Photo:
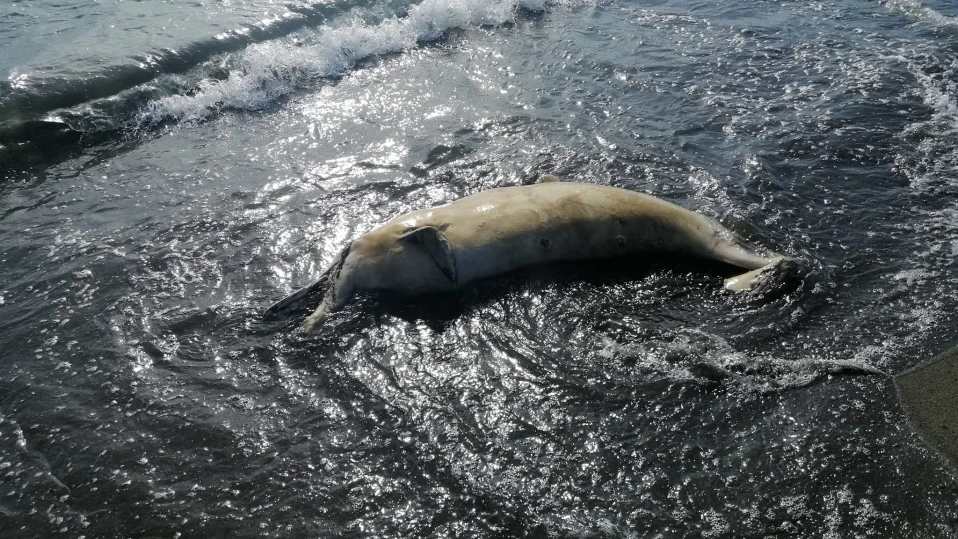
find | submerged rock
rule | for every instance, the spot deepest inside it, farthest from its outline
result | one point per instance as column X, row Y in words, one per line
column 929, row 393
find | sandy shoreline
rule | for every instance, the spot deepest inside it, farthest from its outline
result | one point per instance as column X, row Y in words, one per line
column 929, row 393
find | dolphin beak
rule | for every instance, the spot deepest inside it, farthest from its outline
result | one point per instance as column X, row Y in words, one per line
column 318, row 315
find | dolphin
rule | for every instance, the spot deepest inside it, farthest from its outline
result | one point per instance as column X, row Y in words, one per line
column 499, row 230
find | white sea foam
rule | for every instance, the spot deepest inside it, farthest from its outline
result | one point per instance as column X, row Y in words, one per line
column 271, row 70
column 917, row 10
column 938, row 93
column 697, row 355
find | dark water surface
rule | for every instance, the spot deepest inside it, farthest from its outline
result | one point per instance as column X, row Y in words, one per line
column 168, row 169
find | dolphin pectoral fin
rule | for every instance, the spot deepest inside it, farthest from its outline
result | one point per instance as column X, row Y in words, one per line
column 435, row 243
column 441, row 253
column 548, row 178
column 759, row 280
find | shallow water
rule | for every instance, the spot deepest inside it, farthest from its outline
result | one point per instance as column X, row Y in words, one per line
column 171, row 168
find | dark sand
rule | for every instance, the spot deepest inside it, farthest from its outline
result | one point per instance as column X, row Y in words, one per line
column 929, row 393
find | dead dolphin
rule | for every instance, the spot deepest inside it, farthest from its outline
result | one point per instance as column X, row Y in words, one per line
column 499, row 230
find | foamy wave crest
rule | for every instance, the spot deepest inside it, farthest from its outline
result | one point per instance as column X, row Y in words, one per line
column 917, row 10
column 272, row 70
column 934, row 160
column 698, row 356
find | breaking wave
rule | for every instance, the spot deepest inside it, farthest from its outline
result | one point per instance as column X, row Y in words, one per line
column 272, row 70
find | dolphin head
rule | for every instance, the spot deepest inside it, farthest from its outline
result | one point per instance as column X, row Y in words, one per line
column 404, row 259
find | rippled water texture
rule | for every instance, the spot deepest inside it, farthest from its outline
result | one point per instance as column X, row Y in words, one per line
column 169, row 169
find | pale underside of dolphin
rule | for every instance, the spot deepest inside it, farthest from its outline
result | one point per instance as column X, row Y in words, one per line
column 492, row 232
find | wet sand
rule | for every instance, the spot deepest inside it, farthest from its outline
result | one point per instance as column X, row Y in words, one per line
column 929, row 393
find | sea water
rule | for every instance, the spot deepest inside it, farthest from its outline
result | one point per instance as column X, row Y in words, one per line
column 168, row 169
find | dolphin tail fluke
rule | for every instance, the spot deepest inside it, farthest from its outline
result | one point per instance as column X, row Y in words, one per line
column 777, row 271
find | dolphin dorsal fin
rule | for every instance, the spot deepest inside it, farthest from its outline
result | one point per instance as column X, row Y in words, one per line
column 548, row 178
